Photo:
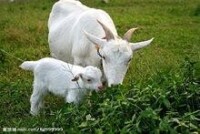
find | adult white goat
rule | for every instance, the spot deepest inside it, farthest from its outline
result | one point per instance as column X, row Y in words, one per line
column 82, row 35
column 69, row 81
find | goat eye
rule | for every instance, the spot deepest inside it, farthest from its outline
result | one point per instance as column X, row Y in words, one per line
column 89, row 80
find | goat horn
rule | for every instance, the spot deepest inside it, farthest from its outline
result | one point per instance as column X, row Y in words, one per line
column 109, row 34
column 128, row 34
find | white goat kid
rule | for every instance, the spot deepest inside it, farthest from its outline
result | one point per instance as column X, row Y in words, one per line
column 105, row 1
column 77, row 37
column 69, row 81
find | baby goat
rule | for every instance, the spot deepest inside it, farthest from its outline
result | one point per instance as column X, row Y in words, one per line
column 69, row 81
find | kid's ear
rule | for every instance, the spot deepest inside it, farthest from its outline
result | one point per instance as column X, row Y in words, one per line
column 76, row 78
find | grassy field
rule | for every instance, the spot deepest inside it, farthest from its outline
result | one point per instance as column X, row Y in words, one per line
column 161, row 91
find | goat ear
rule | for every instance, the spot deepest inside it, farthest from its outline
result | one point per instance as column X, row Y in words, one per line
column 139, row 45
column 77, row 77
column 98, row 42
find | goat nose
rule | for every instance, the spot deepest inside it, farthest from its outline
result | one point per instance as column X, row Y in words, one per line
column 100, row 87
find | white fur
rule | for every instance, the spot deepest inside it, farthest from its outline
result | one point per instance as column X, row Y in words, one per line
column 55, row 76
column 106, row 1
column 74, row 33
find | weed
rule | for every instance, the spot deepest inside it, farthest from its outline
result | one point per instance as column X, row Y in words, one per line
column 197, row 11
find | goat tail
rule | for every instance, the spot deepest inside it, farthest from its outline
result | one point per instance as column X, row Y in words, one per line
column 28, row 65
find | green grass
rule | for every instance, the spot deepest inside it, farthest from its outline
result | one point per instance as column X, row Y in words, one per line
column 161, row 91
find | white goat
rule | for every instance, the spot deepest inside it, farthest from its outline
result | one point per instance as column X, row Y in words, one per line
column 83, row 36
column 62, row 79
